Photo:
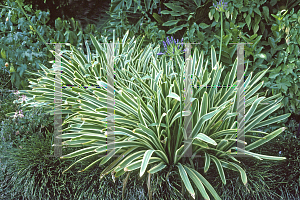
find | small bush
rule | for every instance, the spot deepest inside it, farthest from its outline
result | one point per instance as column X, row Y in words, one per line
column 23, row 125
column 6, row 104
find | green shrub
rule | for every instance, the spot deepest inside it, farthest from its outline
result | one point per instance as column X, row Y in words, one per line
column 20, row 46
column 22, row 42
column 25, row 124
column 284, row 43
column 7, row 104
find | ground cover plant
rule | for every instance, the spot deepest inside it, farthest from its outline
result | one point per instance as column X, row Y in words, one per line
column 148, row 126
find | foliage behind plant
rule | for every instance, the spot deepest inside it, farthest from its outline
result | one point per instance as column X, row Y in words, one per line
column 286, row 173
column 28, row 174
column 285, row 76
column 22, row 46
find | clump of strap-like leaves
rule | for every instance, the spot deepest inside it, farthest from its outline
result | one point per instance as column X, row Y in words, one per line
column 149, row 112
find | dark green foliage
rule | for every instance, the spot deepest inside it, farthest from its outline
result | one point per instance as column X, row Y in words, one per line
column 88, row 12
column 24, row 50
column 286, row 173
column 260, row 178
column 19, row 44
column 55, row 7
column 267, row 179
column 19, row 129
column 4, row 76
column 136, row 188
column 6, row 103
column 284, row 78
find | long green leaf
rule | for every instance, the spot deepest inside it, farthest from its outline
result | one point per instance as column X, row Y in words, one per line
column 89, row 136
column 119, row 145
column 272, row 120
column 176, row 8
column 206, row 184
column 153, row 136
column 207, row 162
column 228, row 166
column 137, row 164
column 145, row 161
column 80, row 161
column 174, row 95
column 184, row 113
column 242, row 172
column 171, row 22
column 201, row 122
column 205, row 138
column 222, row 144
column 197, row 182
column 141, row 118
column 157, row 168
column 220, row 168
column 204, row 105
column 116, row 161
column 261, row 117
column 257, row 77
column 130, row 158
column 186, row 180
column 108, row 156
column 79, row 152
column 260, row 142
column 259, row 156
column 177, row 28
column 253, row 91
column 252, row 109
column 163, row 156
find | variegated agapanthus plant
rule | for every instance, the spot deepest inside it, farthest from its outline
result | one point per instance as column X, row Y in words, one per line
column 149, row 133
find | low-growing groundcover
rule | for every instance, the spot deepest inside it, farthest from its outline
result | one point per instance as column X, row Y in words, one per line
column 149, row 111
column 27, row 174
column 86, row 185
